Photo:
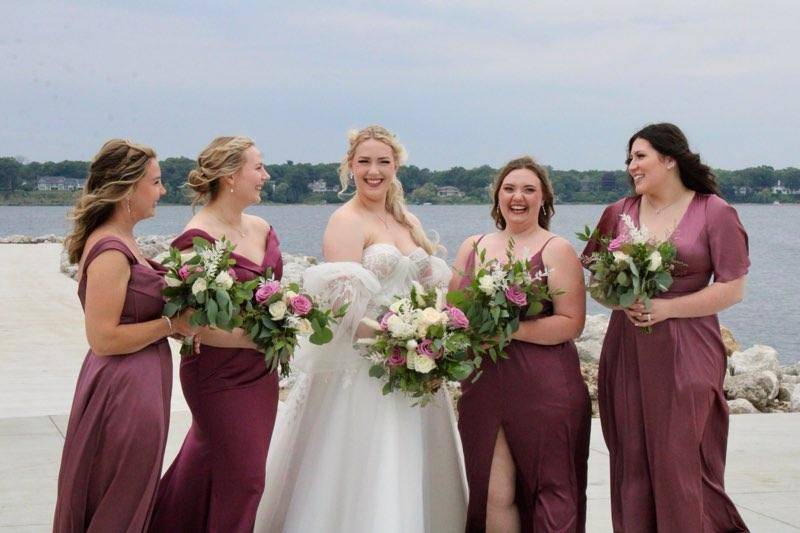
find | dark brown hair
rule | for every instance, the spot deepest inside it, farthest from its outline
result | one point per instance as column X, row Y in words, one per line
column 668, row 140
column 546, row 212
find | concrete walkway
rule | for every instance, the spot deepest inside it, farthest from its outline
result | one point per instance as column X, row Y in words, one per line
column 42, row 345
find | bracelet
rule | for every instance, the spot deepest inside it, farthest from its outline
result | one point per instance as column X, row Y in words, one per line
column 169, row 323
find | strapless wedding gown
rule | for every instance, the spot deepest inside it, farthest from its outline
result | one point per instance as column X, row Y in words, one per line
column 344, row 457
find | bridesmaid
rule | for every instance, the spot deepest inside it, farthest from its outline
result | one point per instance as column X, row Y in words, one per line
column 525, row 423
column 663, row 412
column 120, row 414
column 217, row 478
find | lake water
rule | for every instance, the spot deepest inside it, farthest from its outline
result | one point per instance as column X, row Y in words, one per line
column 766, row 316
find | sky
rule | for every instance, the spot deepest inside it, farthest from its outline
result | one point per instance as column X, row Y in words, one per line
column 461, row 82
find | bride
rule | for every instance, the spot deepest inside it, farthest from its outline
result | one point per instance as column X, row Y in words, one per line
column 344, row 457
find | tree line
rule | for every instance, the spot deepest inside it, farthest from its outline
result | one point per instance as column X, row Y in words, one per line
column 290, row 182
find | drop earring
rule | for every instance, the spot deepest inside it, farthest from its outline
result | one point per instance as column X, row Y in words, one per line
column 128, row 205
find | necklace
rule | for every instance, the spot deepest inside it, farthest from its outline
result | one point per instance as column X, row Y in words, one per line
column 659, row 211
column 238, row 230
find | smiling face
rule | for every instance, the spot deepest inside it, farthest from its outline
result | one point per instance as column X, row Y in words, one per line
column 248, row 181
column 520, row 198
column 147, row 192
column 374, row 167
column 647, row 167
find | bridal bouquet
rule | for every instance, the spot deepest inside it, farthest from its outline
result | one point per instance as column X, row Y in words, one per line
column 420, row 342
column 631, row 267
column 499, row 295
column 204, row 280
column 279, row 315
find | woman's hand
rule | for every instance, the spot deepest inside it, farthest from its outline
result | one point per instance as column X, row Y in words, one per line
column 659, row 311
column 181, row 325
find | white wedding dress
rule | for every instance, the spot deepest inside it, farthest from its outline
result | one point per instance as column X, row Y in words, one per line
column 344, row 457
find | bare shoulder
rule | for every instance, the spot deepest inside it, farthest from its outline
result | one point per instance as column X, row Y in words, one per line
column 199, row 220
column 256, row 223
column 559, row 249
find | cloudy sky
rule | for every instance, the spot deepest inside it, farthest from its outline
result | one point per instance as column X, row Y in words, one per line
column 461, row 82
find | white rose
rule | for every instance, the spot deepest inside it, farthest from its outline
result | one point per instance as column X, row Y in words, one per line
column 411, row 355
column 422, row 329
column 304, row 327
column 655, row 261
column 277, row 310
column 224, row 280
column 486, row 284
column 411, row 344
column 431, row 316
column 399, row 306
column 199, row 286
column 172, row 282
column 622, row 257
column 423, row 364
column 398, row 328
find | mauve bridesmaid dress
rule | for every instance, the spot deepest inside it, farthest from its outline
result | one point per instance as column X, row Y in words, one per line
column 662, row 408
column 119, row 418
column 538, row 396
column 216, row 481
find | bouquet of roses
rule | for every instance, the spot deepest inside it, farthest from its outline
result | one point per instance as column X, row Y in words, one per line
column 420, row 343
column 279, row 315
column 631, row 267
column 204, row 280
column 499, row 295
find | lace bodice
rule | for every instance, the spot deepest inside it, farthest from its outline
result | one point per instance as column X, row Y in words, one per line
column 365, row 287
column 396, row 271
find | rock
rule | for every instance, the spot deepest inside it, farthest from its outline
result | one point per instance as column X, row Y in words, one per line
column 759, row 388
column 794, row 402
column 589, row 371
column 755, row 358
column 786, row 385
column 590, row 343
column 791, row 370
column 28, row 239
column 294, row 266
column 731, row 345
column 740, row 406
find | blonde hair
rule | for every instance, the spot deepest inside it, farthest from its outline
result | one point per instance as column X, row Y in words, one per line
column 223, row 157
column 113, row 172
column 395, row 200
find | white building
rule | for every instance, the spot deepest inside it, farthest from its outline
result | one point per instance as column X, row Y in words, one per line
column 448, row 191
column 59, row 183
column 319, row 186
column 781, row 189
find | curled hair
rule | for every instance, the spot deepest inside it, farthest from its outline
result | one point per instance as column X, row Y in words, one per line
column 668, row 140
column 113, row 173
column 223, row 157
column 547, row 210
column 395, row 199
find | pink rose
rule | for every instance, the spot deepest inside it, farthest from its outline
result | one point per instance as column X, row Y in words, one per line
column 425, row 348
column 232, row 274
column 397, row 358
column 266, row 290
column 385, row 320
column 617, row 243
column 516, row 296
column 301, row 304
column 184, row 272
column 458, row 320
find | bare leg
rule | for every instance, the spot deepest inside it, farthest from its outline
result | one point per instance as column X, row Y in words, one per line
column 502, row 515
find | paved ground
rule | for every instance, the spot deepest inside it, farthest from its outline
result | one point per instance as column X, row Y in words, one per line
column 42, row 346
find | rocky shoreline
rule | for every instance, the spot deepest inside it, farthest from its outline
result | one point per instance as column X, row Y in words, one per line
column 756, row 382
